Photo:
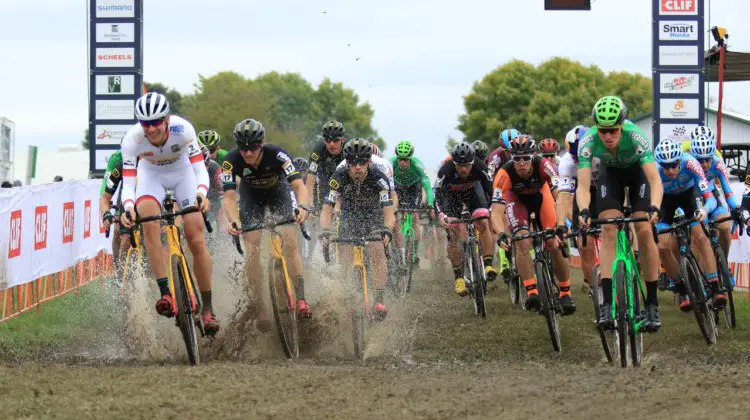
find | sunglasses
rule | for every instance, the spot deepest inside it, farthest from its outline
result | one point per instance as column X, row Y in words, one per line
column 670, row 165
column 357, row 162
column 332, row 140
column 152, row 123
column 463, row 165
column 251, row 147
column 607, row 130
column 522, row 158
column 705, row 160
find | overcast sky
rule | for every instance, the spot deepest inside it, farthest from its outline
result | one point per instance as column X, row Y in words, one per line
column 417, row 58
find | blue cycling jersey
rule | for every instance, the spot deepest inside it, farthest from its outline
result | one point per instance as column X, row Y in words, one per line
column 690, row 176
column 718, row 170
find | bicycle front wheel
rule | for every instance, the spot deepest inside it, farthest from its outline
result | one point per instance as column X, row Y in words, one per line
column 283, row 303
column 607, row 337
column 704, row 315
column 725, row 280
column 184, row 315
column 623, row 325
column 544, row 288
column 479, row 283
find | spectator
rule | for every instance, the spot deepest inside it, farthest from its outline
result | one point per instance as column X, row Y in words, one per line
column 7, row 184
column 58, row 178
column 17, row 183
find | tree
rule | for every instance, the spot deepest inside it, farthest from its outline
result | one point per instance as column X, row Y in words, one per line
column 450, row 144
column 85, row 142
column 545, row 101
column 174, row 97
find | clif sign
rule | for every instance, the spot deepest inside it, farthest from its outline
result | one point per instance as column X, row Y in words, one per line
column 679, row 7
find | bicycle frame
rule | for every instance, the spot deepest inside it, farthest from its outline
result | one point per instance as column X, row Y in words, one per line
column 624, row 253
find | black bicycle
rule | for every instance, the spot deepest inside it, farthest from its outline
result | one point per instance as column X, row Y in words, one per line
column 471, row 254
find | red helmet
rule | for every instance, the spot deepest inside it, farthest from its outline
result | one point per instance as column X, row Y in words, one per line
column 549, row 146
column 522, row 145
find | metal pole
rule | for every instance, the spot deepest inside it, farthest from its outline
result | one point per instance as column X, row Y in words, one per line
column 721, row 96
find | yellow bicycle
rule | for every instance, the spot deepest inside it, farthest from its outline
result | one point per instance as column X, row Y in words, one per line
column 283, row 296
column 359, row 303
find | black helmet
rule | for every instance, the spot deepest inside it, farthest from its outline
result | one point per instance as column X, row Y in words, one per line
column 247, row 132
column 333, row 130
column 463, row 153
column 480, row 149
column 357, row 149
column 301, row 164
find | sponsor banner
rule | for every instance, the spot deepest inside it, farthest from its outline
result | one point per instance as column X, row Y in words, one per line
column 114, row 109
column 110, row 134
column 678, row 30
column 678, row 55
column 678, row 7
column 683, row 109
column 115, row 57
column 688, row 83
column 115, row 32
column 45, row 229
column 102, row 157
column 119, row 84
column 676, row 132
column 115, row 8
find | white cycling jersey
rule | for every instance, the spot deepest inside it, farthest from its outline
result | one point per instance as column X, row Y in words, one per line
column 567, row 171
column 383, row 165
column 178, row 165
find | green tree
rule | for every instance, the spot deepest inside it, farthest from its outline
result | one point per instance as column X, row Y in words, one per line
column 450, row 144
column 334, row 101
column 547, row 100
column 174, row 97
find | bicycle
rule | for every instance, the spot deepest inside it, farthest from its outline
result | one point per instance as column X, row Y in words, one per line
column 359, row 306
column 133, row 254
column 549, row 292
column 471, row 255
column 725, row 279
column 182, row 284
column 283, row 296
column 627, row 290
column 403, row 270
column 696, row 284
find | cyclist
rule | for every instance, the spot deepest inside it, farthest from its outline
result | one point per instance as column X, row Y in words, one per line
column 170, row 157
column 413, row 187
column 683, row 180
column 323, row 161
column 302, row 165
column 703, row 147
column 626, row 160
column 482, row 151
column 465, row 180
column 363, row 193
column 211, row 140
column 549, row 148
column 566, row 204
column 526, row 185
column 215, row 190
column 501, row 155
column 111, row 186
column 267, row 178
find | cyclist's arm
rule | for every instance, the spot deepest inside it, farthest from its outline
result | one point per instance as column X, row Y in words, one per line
column 198, row 163
column 426, row 185
column 229, row 177
column 129, row 171
column 104, row 203
column 301, row 193
column 583, row 190
column 500, row 185
column 654, row 183
column 566, row 189
column 389, row 210
column 564, row 207
column 722, row 173
column 701, row 183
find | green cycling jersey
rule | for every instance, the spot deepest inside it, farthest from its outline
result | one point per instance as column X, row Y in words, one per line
column 633, row 147
column 220, row 155
column 411, row 176
column 113, row 175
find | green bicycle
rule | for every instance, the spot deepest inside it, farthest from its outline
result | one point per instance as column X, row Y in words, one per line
column 401, row 279
column 627, row 290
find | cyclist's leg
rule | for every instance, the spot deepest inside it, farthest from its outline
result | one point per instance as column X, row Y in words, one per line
column 561, row 264
column 725, row 228
column 667, row 247
column 453, row 209
column 588, row 252
column 701, row 247
column 252, row 210
column 518, row 222
column 479, row 207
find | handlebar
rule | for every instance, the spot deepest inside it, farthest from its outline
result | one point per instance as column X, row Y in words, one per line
column 374, row 236
column 270, row 226
column 618, row 221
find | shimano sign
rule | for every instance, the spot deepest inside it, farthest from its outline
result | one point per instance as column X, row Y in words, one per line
column 675, row 30
column 115, row 8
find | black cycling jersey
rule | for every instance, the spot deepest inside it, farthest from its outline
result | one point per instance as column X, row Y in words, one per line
column 323, row 164
column 275, row 165
column 114, row 179
column 371, row 194
column 449, row 182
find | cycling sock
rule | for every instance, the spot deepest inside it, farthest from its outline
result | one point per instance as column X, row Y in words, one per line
column 607, row 291
column 487, row 261
column 379, row 296
column 712, row 277
column 564, row 288
column 458, row 272
column 651, row 293
column 680, row 287
column 163, row 286
column 299, row 287
column 206, row 298
column 530, row 286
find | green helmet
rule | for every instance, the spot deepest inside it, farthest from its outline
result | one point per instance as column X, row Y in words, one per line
column 404, row 149
column 209, row 138
column 609, row 111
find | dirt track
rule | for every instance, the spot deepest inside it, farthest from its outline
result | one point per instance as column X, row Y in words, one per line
column 433, row 359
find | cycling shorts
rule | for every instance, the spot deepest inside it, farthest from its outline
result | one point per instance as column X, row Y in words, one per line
column 409, row 197
column 152, row 182
column 474, row 199
column 610, row 188
column 687, row 200
column 518, row 207
column 279, row 200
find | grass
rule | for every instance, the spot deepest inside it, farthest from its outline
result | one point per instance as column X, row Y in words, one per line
column 60, row 321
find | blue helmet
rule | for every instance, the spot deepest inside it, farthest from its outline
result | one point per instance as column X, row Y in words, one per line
column 668, row 151
column 573, row 138
column 507, row 135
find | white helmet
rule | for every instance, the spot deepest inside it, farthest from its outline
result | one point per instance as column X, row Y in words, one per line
column 701, row 130
column 151, row 106
column 667, row 151
column 703, row 146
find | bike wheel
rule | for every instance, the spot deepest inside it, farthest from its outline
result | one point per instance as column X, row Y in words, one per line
column 635, row 335
column 412, row 250
column 622, row 312
column 359, row 317
column 479, row 284
column 607, row 337
column 283, row 302
column 696, row 292
column 726, row 281
column 544, row 281
column 184, row 315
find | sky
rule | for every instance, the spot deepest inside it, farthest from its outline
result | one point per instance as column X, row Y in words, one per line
column 416, row 58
